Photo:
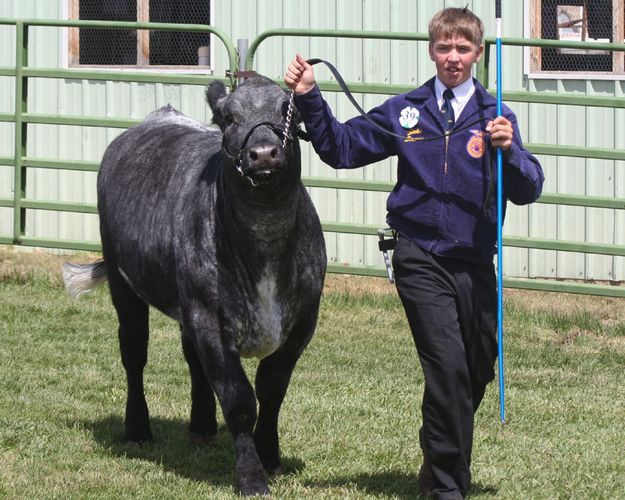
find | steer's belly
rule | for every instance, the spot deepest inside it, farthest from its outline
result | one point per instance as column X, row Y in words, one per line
column 261, row 344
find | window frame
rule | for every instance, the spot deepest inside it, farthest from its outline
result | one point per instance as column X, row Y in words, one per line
column 532, row 55
column 71, row 45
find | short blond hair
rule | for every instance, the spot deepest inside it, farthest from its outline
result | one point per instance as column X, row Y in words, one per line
column 455, row 21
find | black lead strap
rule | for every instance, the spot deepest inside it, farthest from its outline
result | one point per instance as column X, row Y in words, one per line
column 386, row 244
column 350, row 97
column 348, row 94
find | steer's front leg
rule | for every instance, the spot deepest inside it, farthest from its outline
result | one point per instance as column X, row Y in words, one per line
column 222, row 365
column 272, row 381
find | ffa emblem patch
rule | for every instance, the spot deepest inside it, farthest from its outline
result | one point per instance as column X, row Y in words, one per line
column 476, row 145
column 409, row 117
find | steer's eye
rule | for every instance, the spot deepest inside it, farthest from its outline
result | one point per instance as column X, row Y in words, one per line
column 229, row 119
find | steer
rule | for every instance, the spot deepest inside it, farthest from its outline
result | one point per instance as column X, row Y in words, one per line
column 214, row 229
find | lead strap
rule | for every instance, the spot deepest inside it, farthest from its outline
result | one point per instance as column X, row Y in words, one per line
column 287, row 124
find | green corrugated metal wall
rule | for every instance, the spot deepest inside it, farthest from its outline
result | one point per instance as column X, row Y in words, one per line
column 370, row 61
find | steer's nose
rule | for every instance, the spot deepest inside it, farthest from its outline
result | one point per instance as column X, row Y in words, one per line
column 264, row 156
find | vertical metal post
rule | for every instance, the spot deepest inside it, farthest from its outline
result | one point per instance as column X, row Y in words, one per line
column 242, row 46
column 21, row 130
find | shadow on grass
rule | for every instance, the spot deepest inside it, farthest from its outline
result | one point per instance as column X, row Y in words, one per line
column 387, row 484
column 213, row 463
column 483, row 489
column 394, row 484
column 173, row 449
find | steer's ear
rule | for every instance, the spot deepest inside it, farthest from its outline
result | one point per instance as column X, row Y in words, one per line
column 215, row 95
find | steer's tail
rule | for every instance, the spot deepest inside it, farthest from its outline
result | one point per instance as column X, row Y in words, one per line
column 81, row 279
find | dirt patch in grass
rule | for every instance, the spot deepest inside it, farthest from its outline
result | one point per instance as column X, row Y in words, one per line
column 365, row 285
column 25, row 264
column 611, row 310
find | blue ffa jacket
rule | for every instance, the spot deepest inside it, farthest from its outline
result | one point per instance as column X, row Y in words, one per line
column 441, row 201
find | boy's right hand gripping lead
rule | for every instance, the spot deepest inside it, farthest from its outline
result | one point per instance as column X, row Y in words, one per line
column 299, row 76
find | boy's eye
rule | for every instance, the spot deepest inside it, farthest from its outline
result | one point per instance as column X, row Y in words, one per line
column 447, row 48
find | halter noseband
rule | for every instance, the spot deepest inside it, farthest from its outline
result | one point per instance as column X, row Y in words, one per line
column 282, row 132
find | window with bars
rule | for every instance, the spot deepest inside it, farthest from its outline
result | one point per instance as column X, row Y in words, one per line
column 140, row 48
column 582, row 21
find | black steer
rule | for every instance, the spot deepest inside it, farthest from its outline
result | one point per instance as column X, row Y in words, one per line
column 216, row 230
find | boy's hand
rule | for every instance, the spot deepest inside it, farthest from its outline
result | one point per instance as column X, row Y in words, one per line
column 299, row 76
column 501, row 133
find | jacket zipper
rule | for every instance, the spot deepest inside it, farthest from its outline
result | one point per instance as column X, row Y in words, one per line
column 446, row 147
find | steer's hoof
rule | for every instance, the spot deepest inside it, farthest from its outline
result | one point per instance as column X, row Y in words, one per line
column 250, row 487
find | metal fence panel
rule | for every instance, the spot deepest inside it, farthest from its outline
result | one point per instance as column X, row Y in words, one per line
column 371, row 61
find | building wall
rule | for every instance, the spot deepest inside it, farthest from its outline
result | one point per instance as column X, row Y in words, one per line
column 393, row 62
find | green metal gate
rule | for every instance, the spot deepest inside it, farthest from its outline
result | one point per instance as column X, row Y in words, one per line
column 21, row 117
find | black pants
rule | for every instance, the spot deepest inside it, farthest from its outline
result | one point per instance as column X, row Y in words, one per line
column 451, row 306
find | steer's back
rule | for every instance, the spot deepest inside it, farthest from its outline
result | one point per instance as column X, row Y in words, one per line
column 154, row 159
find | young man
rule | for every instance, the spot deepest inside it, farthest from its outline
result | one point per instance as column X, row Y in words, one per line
column 443, row 212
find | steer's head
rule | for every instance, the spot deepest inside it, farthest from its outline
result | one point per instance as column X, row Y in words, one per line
column 252, row 120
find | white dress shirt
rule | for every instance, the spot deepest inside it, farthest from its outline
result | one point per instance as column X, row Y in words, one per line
column 462, row 94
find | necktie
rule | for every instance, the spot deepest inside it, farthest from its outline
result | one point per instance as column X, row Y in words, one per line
column 447, row 110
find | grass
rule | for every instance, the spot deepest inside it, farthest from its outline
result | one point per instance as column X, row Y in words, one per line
column 349, row 422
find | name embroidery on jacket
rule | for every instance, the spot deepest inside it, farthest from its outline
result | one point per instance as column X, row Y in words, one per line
column 413, row 135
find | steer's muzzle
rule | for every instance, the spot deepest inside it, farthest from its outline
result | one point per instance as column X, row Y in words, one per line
column 263, row 162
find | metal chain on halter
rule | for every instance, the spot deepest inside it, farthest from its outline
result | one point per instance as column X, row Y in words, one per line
column 287, row 125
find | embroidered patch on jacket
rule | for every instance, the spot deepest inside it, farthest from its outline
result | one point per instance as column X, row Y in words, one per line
column 409, row 117
column 476, row 145
column 414, row 135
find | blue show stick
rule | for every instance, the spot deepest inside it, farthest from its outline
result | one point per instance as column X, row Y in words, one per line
column 502, row 397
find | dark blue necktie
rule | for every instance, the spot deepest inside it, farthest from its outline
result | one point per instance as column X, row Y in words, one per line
column 447, row 110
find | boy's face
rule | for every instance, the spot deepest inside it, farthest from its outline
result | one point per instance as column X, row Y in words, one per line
column 454, row 58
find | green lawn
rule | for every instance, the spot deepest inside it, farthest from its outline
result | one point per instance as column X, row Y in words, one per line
column 349, row 422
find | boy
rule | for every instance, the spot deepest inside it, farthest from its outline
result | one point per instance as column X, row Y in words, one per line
column 443, row 212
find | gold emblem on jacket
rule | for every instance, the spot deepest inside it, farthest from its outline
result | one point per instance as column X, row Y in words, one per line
column 476, row 145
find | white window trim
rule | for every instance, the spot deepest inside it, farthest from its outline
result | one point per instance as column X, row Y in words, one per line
column 64, row 51
column 619, row 74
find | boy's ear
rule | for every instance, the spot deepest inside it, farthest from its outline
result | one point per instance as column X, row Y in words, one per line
column 480, row 51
